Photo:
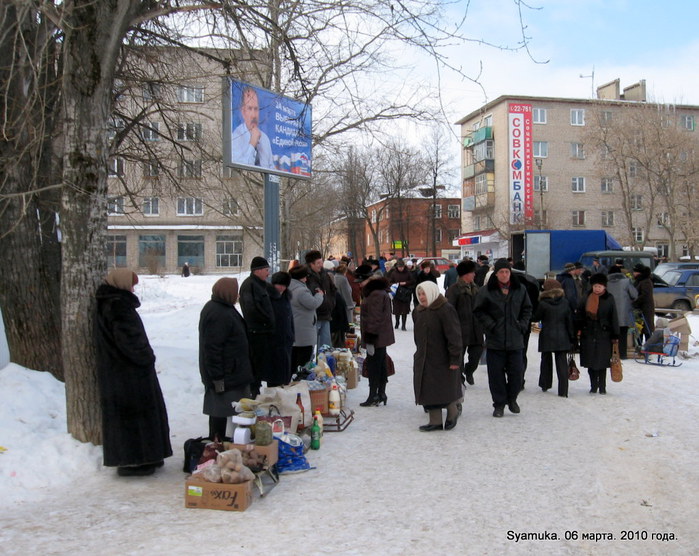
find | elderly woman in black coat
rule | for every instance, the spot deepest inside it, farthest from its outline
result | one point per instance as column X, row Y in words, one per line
column 279, row 373
column 438, row 357
column 224, row 361
column 598, row 323
column 556, row 336
column 135, row 430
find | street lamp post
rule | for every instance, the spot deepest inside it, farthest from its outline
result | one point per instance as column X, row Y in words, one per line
column 539, row 164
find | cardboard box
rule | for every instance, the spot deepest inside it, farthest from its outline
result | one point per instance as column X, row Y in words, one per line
column 319, row 400
column 271, row 451
column 351, row 377
column 681, row 325
column 217, row 496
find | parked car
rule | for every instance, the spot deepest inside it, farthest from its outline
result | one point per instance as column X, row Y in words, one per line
column 662, row 268
column 680, row 291
column 440, row 263
column 629, row 258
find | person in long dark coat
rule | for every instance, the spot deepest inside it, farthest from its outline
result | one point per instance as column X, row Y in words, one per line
column 400, row 275
column 556, row 336
column 224, row 361
column 426, row 272
column 283, row 338
column 644, row 302
column 598, row 323
column 376, row 333
column 438, row 357
column 135, row 430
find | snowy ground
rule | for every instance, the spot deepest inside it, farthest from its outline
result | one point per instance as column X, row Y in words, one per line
column 623, row 465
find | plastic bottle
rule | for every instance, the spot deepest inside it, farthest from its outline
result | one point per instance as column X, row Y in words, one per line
column 315, row 434
column 303, row 412
column 319, row 417
column 334, row 400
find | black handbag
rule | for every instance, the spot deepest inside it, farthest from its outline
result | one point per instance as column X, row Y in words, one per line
column 403, row 294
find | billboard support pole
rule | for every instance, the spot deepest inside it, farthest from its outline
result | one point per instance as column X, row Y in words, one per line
column 271, row 219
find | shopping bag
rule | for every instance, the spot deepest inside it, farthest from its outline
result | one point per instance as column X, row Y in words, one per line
column 573, row 371
column 615, row 364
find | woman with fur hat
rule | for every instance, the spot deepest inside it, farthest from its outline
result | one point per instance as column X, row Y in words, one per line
column 224, row 361
column 135, row 430
column 504, row 309
column 598, row 323
column 400, row 275
column 438, row 357
column 556, row 337
column 377, row 334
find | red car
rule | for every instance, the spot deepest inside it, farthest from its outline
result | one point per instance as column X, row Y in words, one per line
column 440, row 263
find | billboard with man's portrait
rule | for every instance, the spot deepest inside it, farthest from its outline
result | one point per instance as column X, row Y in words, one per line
column 264, row 131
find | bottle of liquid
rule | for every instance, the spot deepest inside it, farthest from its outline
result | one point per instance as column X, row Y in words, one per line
column 334, row 400
column 299, row 403
column 315, row 435
column 319, row 417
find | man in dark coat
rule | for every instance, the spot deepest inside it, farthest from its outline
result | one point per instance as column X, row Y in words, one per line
column 256, row 304
column 224, row 356
column 481, row 270
column 283, row 338
column 450, row 276
column 645, row 301
column 504, row 309
column 135, row 430
column 462, row 295
column 533, row 289
column 319, row 280
column 401, row 275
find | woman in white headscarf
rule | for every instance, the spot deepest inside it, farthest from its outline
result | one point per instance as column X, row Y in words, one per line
column 437, row 359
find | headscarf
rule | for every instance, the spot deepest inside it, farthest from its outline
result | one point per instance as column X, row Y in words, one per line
column 226, row 289
column 122, row 278
column 430, row 289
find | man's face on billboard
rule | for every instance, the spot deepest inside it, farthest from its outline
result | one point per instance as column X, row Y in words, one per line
column 250, row 109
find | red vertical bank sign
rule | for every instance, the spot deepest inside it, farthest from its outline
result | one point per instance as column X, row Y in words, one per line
column 521, row 173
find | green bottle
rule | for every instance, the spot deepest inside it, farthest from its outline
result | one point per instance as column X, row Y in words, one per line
column 315, row 434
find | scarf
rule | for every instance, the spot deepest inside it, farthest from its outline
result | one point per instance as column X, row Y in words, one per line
column 592, row 305
column 504, row 288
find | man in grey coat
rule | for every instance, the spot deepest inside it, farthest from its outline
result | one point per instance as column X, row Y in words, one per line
column 303, row 307
column 624, row 295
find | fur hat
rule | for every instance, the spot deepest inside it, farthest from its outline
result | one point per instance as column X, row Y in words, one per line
column 363, row 272
column 465, row 267
column 598, row 278
column 568, row 266
column 258, row 263
column 551, row 284
column 500, row 264
column 638, row 267
column 299, row 272
column 281, row 278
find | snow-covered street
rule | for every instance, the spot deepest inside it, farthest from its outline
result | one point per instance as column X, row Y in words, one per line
column 563, row 477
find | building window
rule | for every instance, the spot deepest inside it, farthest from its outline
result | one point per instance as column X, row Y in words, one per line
column 637, row 234
column 577, row 185
column 633, row 169
column 190, row 94
column 663, row 249
column 636, row 202
column 151, row 169
column 115, row 167
column 437, row 211
column 578, row 218
column 663, row 219
column 151, row 251
column 373, row 215
column 115, row 206
column 116, row 251
column 607, row 185
column 190, row 206
column 483, row 150
column 229, row 250
column 190, row 249
column 577, row 150
column 189, row 132
column 541, row 149
column 453, row 234
column 687, row 122
column 488, row 121
column 152, row 91
column 151, row 206
column 476, row 223
column 230, row 207
column 438, row 235
column 605, row 153
column 606, row 117
column 115, row 126
column 189, row 169
column 453, row 211
column 481, row 184
column 149, row 131
column 577, row 116
column 607, row 218
column 539, row 115
column 541, row 183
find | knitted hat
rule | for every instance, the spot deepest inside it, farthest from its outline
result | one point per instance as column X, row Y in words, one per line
column 551, row 284
column 258, row 263
column 281, row 278
column 465, row 267
column 598, row 278
column 500, row 264
column 299, row 272
column 569, row 266
column 328, row 265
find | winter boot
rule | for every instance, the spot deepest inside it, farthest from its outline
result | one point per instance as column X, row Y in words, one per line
column 602, row 381
column 435, row 423
column 404, row 318
column 397, row 321
column 373, row 398
column 594, row 381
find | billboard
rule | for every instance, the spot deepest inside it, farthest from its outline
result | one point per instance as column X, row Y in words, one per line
column 520, row 169
column 264, row 131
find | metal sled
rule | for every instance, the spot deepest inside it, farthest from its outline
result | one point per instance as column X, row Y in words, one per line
column 338, row 423
column 666, row 357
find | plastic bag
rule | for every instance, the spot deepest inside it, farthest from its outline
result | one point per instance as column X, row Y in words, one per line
column 291, row 457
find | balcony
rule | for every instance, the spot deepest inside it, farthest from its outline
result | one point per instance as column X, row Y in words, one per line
column 482, row 134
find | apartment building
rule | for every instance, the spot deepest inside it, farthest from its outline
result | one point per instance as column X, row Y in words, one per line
column 554, row 163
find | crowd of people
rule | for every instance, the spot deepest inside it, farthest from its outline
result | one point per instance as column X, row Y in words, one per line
column 288, row 317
